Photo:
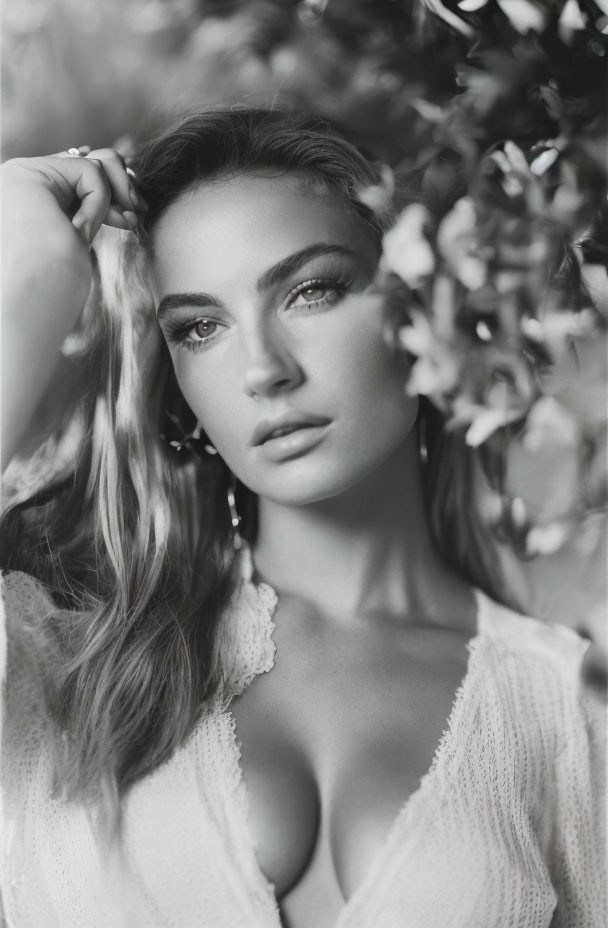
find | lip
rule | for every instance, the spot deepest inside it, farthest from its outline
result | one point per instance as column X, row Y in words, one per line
column 294, row 421
column 293, row 444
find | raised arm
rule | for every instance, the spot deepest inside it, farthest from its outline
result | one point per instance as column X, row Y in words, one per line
column 53, row 207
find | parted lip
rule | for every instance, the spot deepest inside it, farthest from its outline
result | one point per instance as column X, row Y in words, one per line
column 291, row 420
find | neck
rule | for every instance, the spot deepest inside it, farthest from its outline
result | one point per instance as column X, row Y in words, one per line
column 366, row 550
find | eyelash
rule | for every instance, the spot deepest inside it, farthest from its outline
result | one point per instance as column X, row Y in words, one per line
column 336, row 288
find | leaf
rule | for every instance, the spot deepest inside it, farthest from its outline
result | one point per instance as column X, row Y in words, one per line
column 552, row 100
column 486, row 423
column 379, row 197
column 523, row 15
column 417, row 338
column 571, row 20
column 516, row 158
column 547, row 539
column 543, row 465
column 544, row 161
column 405, row 250
column 429, row 111
column 440, row 10
column 471, row 6
column 548, row 425
column 596, row 281
column 457, row 241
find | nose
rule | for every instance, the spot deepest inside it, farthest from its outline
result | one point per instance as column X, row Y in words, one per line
column 270, row 365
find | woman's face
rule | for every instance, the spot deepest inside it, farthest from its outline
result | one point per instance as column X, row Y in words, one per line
column 260, row 286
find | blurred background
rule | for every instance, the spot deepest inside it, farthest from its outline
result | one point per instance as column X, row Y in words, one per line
column 422, row 85
column 83, row 70
column 77, row 69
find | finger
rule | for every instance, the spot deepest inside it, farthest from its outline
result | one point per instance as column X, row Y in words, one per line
column 121, row 219
column 122, row 185
column 93, row 191
column 98, row 195
column 121, row 179
column 71, row 152
column 114, row 216
column 100, row 187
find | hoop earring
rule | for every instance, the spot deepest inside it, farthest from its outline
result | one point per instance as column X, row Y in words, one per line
column 422, row 443
column 235, row 518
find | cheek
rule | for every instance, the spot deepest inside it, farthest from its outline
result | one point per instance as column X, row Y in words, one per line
column 367, row 376
column 210, row 394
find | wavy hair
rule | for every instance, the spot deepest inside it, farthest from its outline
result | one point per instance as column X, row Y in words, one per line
column 130, row 537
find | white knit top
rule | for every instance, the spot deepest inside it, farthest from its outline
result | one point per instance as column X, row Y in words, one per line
column 506, row 830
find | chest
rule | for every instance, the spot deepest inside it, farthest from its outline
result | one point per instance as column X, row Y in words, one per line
column 334, row 741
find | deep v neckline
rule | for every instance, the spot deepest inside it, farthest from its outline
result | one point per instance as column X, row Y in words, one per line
column 383, row 853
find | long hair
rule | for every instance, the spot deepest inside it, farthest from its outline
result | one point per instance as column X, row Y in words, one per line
column 129, row 536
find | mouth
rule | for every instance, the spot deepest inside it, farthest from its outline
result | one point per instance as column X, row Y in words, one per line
column 270, row 430
column 290, row 436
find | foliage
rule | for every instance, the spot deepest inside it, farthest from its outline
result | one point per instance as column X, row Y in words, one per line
column 500, row 254
column 491, row 116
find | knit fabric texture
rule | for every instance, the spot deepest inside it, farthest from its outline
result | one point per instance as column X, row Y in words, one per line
column 506, row 829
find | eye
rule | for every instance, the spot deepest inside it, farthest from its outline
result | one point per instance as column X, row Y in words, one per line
column 203, row 329
column 194, row 336
column 312, row 295
column 313, row 292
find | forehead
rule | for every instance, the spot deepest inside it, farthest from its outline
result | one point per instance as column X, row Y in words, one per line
column 250, row 219
column 241, row 190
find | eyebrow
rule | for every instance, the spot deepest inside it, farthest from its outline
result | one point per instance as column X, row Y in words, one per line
column 274, row 275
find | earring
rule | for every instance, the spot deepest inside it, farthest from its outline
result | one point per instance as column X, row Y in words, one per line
column 234, row 516
column 178, row 438
column 196, row 436
column 422, row 443
column 187, row 439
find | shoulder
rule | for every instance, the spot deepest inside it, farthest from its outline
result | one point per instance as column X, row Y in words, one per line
column 23, row 595
column 540, row 664
column 246, row 635
column 557, row 647
column 25, row 605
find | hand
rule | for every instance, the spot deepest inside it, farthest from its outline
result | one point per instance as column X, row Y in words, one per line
column 92, row 189
column 46, row 200
column 53, row 207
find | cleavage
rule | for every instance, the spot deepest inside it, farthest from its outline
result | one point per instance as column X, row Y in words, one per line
column 335, row 742
column 284, row 808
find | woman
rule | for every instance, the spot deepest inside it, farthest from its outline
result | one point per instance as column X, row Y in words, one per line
column 263, row 697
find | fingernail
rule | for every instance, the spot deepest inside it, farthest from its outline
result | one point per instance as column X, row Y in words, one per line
column 135, row 197
column 130, row 218
column 84, row 228
column 137, row 200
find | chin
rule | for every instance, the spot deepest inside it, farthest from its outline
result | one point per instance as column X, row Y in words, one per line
column 326, row 472
column 305, row 486
column 302, row 496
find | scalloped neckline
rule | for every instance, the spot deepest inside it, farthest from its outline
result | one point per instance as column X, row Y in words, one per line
column 406, row 809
